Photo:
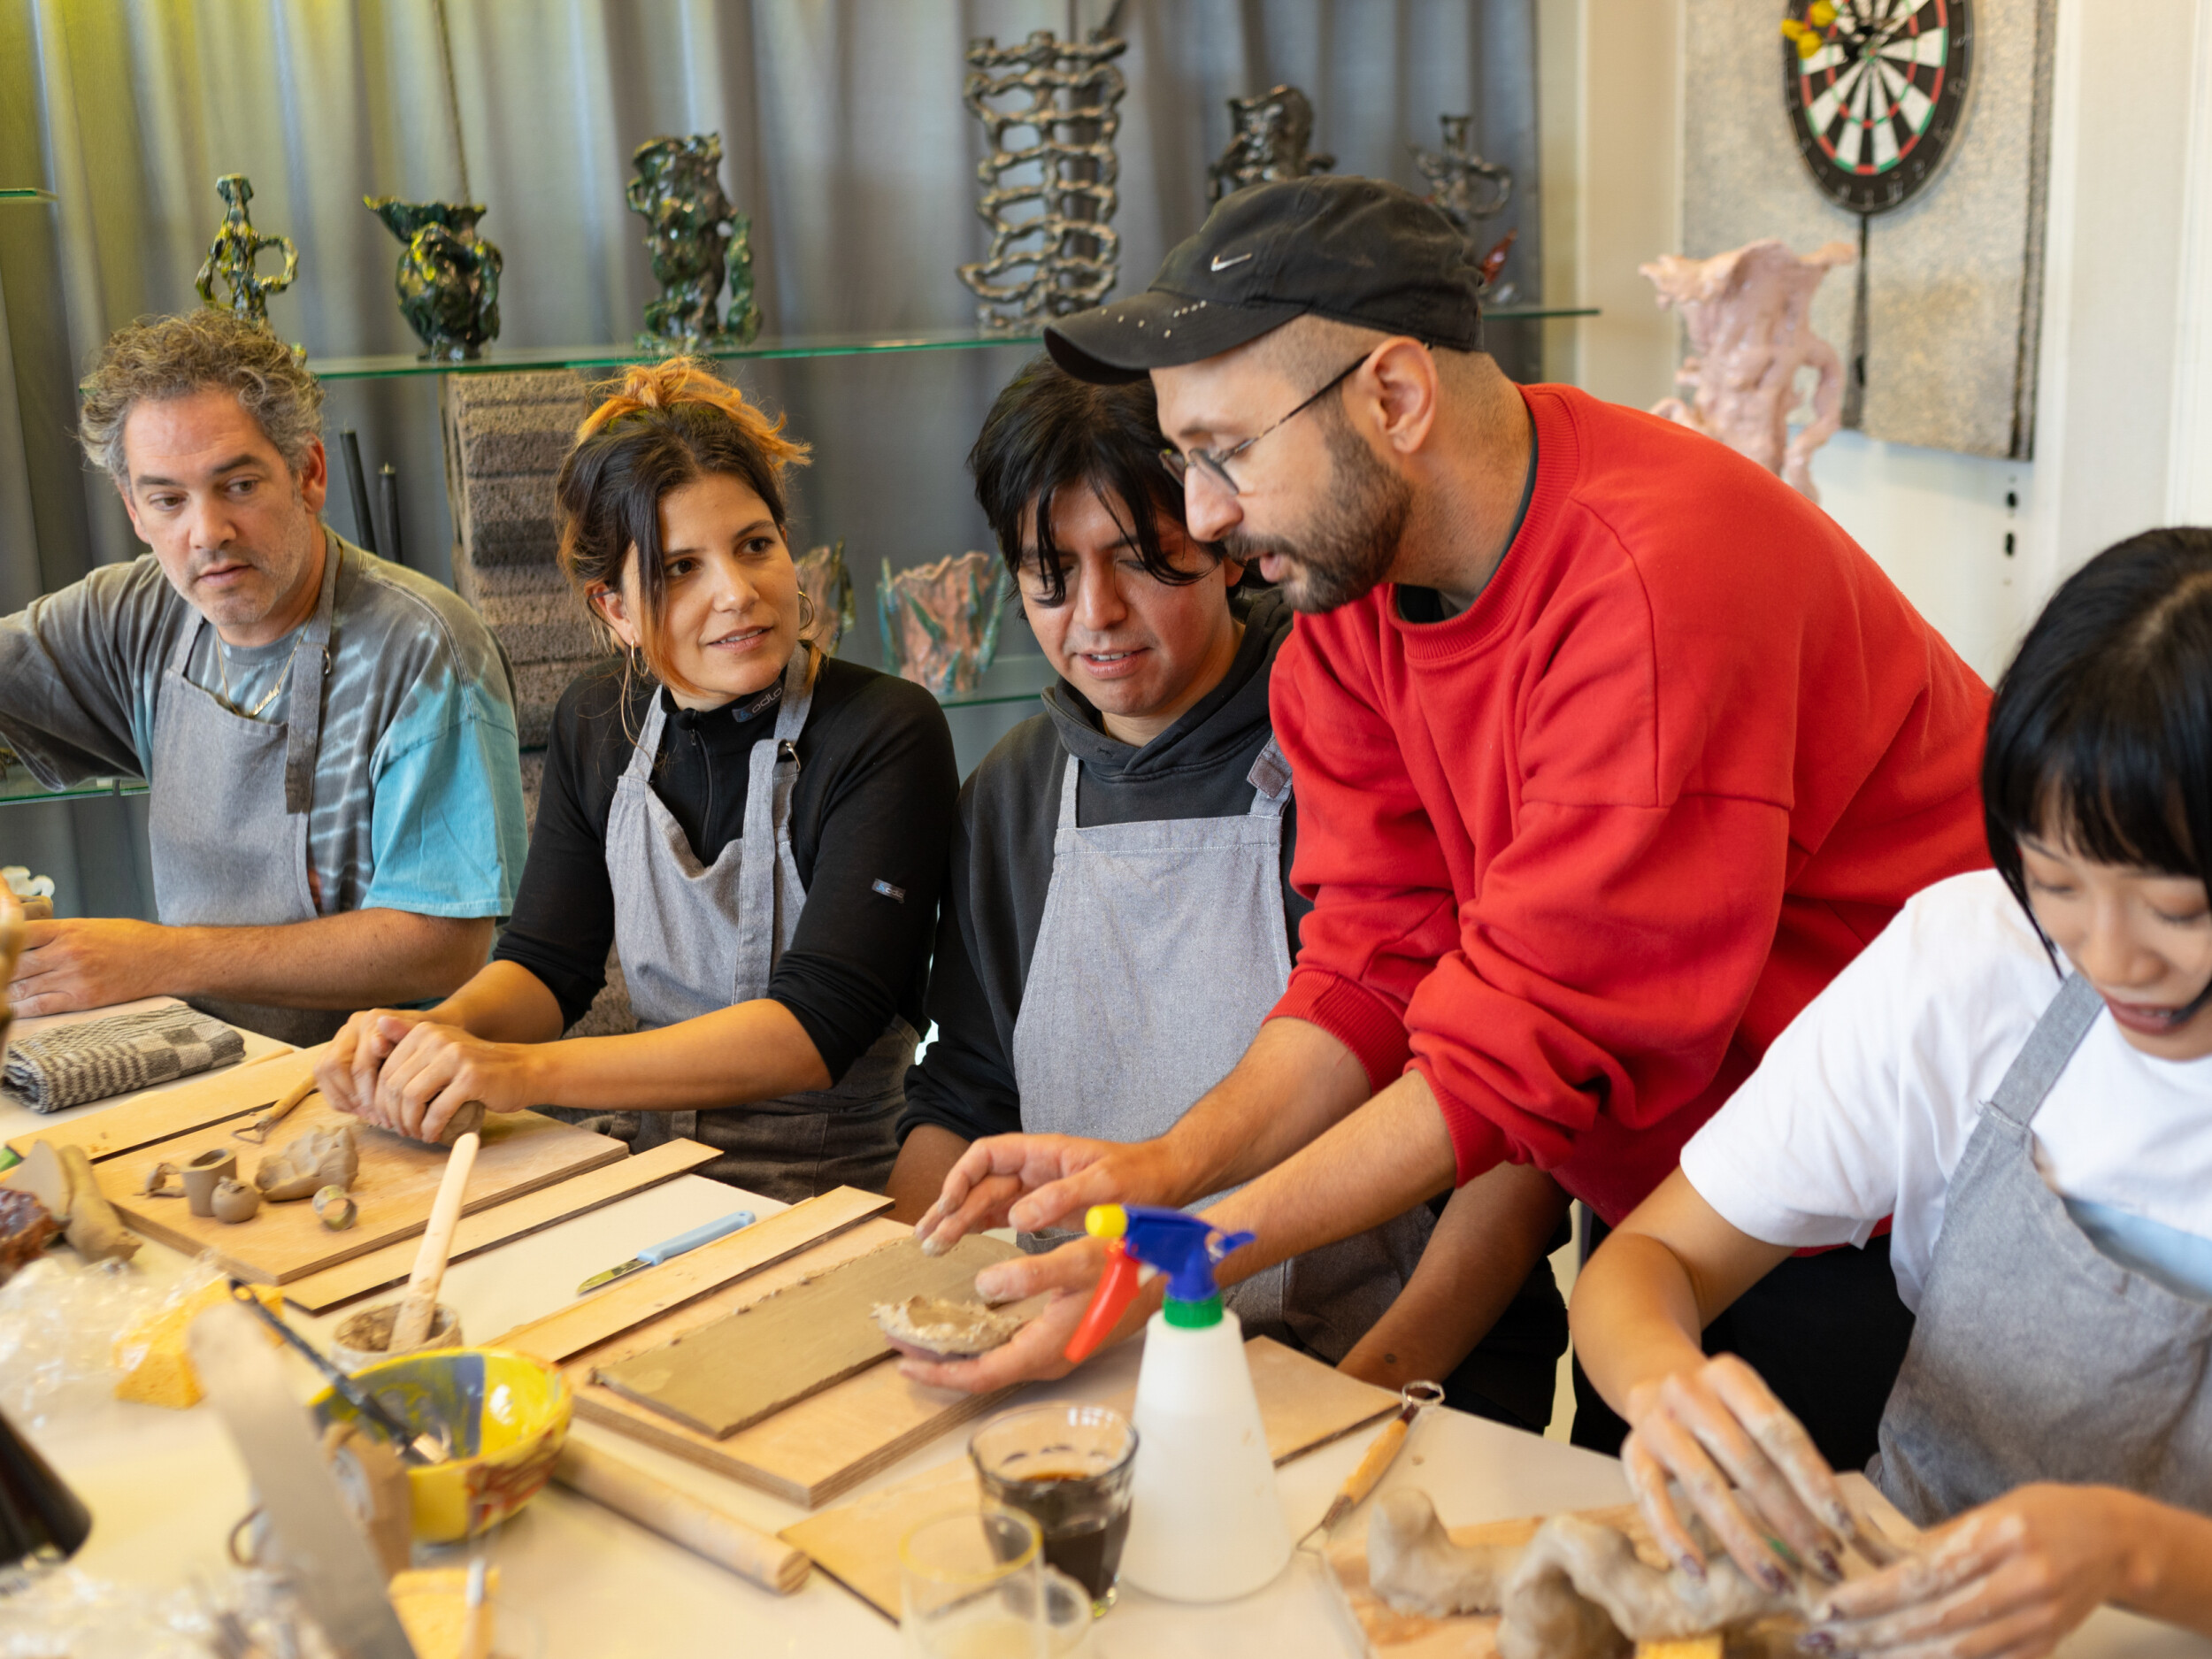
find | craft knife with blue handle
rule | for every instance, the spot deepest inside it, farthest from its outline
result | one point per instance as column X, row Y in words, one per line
column 653, row 1255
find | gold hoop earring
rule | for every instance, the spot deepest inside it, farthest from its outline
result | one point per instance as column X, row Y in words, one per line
column 806, row 614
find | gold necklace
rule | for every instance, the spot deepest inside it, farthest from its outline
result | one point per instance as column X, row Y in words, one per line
column 222, row 668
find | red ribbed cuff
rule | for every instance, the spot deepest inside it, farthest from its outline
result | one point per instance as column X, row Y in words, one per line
column 1366, row 1024
column 1478, row 1146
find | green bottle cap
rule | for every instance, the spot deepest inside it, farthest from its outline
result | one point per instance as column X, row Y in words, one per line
column 1192, row 1316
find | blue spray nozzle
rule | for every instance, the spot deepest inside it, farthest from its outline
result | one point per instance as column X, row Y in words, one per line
column 1184, row 1247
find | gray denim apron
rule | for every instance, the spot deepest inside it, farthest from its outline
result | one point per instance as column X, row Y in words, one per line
column 2035, row 1356
column 1160, row 953
column 228, row 807
column 695, row 939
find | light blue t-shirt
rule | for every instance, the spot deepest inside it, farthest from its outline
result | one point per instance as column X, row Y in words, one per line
column 418, row 794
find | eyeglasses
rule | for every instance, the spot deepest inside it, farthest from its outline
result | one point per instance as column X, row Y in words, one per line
column 1216, row 466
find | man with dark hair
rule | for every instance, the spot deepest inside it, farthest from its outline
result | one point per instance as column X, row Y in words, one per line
column 1121, row 883
column 1611, row 751
column 335, row 803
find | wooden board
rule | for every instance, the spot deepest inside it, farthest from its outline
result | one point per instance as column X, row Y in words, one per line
column 806, row 1454
column 214, row 1097
column 521, row 1153
column 1303, row 1404
column 657, row 1291
column 1390, row 1634
column 780, row 1348
column 517, row 1217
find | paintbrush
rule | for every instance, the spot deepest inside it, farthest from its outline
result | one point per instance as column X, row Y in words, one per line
column 420, row 1448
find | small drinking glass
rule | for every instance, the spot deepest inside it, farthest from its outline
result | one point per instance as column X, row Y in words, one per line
column 969, row 1586
column 1067, row 1468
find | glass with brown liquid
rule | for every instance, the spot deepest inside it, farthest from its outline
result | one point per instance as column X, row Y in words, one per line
column 1066, row 1467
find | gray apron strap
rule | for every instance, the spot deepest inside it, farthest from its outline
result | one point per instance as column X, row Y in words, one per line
column 310, row 667
column 2028, row 1080
column 1269, row 778
column 773, row 771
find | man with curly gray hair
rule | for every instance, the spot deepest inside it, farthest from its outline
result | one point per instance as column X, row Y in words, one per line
column 335, row 800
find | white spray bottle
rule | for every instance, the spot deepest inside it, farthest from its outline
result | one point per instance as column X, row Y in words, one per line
column 1205, row 1522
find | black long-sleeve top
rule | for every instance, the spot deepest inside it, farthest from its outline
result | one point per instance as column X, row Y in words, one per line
column 872, row 809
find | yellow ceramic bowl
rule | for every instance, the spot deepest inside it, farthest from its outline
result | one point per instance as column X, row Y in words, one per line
column 506, row 1416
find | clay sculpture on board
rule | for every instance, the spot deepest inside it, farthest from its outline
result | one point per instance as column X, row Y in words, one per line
column 63, row 1182
column 1577, row 1590
column 941, row 620
column 234, row 1202
column 319, row 1158
column 1749, row 313
column 950, row 1330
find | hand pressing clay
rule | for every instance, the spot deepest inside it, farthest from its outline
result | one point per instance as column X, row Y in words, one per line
column 950, row 1330
column 319, row 1158
column 1577, row 1590
column 234, row 1202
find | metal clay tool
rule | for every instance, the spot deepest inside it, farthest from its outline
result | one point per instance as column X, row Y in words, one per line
column 653, row 1255
column 1414, row 1399
column 275, row 1113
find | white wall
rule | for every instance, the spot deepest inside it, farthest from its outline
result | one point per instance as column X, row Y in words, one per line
column 2124, row 417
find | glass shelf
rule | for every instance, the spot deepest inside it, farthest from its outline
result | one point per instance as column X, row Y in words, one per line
column 18, row 787
column 26, row 194
column 514, row 359
column 1008, row 680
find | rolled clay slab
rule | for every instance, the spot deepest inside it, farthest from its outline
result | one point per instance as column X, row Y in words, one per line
column 950, row 1330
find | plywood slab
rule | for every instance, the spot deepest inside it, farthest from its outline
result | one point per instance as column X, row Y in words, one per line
column 1390, row 1634
column 806, row 1454
column 777, row 1351
column 399, row 1177
column 214, row 1097
column 598, row 1319
column 514, row 1220
column 1303, row 1404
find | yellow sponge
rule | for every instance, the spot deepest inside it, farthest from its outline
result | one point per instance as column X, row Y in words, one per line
column 433, row 1607
column 1707, row 1647
column 156, row 1369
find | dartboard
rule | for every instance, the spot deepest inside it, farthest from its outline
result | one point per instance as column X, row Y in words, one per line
column 1875, row 89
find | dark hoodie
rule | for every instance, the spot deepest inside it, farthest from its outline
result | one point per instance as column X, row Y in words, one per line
column 1002, row 861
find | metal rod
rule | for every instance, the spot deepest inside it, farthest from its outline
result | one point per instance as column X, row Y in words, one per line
column 387, row 489
column 357, row 487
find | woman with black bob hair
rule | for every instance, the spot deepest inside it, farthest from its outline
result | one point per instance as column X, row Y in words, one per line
column 2019, row 1071
column 759, row 829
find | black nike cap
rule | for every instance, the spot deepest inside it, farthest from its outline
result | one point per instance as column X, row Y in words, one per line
column 1358, row 251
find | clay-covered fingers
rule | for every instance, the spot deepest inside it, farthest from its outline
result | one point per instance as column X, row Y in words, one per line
column 1682, row 1453
column 420, row 1067
column 1810, row 1506
column 1650, row 1480
column 981, row 1206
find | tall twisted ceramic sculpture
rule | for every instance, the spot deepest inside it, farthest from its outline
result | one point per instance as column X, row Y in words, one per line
column 1747, row 314
column 448, row 277
column 230, row 260
column 941, row 620
column 1273, row 132
column 1047, row 198
column 698, row 239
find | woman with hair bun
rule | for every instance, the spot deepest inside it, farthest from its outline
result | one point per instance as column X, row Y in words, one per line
column 759, row 830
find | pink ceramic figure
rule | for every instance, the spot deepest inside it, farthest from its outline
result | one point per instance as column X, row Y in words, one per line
column 1748, row 317
column 941, row 620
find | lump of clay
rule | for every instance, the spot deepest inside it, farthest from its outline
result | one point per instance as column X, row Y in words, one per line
column 319, row 1158
column 234, row 1202
column 1580, row 1592
column 1414, row 1565
column 26, row 1229
column 950, row 1330
column 337, row 1211
column 63, row 1182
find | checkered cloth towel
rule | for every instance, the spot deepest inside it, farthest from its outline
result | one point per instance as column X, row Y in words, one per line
column 68, row 1065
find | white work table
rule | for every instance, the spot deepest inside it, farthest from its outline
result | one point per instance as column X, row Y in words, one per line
column 164, row 1488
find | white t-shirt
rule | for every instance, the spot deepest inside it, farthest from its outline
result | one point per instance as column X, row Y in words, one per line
column 1863, row 1107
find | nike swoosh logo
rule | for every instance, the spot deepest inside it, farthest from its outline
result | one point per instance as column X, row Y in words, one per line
column 1220, row 264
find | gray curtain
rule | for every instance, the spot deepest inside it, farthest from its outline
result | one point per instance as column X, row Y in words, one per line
column 845, row 139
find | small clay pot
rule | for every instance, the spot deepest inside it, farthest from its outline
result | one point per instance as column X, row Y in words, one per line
column 232, row 1201
column 362, row 1339
column 204, row 1174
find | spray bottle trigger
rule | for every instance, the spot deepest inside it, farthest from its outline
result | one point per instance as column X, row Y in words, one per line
column 1116, row 1290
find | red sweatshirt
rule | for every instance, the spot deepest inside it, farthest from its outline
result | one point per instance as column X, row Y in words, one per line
column 1583, row 851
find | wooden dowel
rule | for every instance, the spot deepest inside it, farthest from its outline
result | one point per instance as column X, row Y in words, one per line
column 419, row 1306
column 710, row 1533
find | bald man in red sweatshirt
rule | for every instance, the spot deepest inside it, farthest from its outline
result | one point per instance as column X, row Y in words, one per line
column 1609, row 751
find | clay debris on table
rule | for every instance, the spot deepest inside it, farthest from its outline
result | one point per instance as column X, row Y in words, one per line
column 950, row 1330
column 1577, row 1590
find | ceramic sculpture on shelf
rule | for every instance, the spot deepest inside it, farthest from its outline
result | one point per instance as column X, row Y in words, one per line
column 698, row 239
column 1272, row 134
column 1749, row 316
column 1048, row 199
column 231, row 259
column 827, row 586
column 941, row 620
column 1469, row 189
column 448, row 277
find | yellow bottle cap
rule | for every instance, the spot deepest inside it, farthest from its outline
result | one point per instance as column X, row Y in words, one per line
column 1106, row 1221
